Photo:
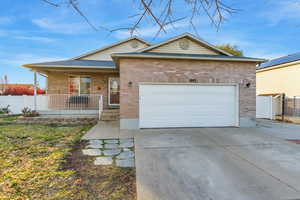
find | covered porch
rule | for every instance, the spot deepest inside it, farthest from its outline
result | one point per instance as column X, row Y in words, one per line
column 77, row 87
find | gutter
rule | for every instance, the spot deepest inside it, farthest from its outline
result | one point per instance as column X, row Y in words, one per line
column 116, row 56
column 65, row 66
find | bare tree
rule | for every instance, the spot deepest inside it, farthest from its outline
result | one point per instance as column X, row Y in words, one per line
column 3, row 83
column 162, row 14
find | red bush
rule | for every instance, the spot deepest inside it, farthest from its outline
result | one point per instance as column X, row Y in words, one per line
column 21, row 90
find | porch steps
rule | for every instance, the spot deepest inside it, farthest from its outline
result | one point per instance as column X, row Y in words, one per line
column 110, row 115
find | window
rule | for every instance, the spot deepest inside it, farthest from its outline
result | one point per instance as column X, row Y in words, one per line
column 79, row 85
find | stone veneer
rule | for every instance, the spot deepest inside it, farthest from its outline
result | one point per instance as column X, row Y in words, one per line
column 181, row 71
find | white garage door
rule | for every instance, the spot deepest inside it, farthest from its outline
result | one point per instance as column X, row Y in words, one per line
column 190, row 105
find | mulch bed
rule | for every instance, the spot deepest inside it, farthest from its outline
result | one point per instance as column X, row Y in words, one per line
column 101, row 182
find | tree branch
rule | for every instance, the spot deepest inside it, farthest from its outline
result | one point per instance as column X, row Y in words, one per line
column 51, row 3
column 73, row 3
column 216, row 10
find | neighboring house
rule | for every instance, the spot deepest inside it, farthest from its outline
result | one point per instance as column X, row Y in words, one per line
column 181, row 82
column 280, row 75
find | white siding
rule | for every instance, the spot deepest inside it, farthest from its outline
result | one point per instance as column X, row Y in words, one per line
column 122, row 48
column 190, row 105
column 194, row 48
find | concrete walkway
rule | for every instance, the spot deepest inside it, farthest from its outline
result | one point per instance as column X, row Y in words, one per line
column 107, row 130
column 216, row 163
column 288, row 131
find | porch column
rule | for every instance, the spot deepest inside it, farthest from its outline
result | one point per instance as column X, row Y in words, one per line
column 35, row 90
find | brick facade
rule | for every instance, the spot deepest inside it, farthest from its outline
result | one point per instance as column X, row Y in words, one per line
column 181, row 71
column 58, row 83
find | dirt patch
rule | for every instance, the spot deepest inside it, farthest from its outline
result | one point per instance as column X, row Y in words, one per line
column 101, row 182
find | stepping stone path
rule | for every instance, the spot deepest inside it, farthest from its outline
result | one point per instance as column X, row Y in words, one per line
column 126, row 144
column 123, row 140
column 125, row 163
column 111, row 141
column 103, row 161
column 112, row 152
column 111, row 146
column 92, row 152
column 117, row 152
column 125, row 155
column 94, row 146
column 95, row 142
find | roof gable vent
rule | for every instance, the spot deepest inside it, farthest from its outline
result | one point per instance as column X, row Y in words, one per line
column 184, row 44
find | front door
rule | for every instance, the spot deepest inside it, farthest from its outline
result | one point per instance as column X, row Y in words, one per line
column 114, row 91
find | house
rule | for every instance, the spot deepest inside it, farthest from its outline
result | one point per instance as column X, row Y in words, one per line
column 180, row 82
column 280, row 75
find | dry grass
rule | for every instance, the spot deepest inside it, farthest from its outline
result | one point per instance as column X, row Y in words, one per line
column 40, row 162
column 102, row 182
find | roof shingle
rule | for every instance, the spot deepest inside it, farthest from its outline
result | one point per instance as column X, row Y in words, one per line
column 84, row 63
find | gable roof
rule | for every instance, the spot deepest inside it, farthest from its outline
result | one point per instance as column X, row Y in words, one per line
column 110, row 46
column 190, row 36
column 280, row 61
column 115, row 56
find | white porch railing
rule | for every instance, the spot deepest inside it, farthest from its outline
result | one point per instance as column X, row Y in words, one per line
column 100, row 106
column 73, row 102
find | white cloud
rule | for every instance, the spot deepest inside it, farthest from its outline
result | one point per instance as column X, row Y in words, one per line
column 3, row 33
column 36, row 38
column 282, row 11
column 151, row 31
column 247, row 45
column 265, row 54
column 5, row 20
column 20, row 59
column 61, row 28
column 7, row 32
column 225, row 37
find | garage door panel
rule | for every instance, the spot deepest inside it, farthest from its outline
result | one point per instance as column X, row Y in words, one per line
column 186, row 98
column 188, row 112
column 187, row 124
column 187, row 106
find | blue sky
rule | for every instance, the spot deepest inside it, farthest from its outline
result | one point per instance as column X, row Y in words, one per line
column 32, row 31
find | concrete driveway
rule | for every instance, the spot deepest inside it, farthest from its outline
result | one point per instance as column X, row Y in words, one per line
column 288, row 131
column 216, row 164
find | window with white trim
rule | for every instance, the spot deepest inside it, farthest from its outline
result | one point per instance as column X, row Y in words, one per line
column 80, row 85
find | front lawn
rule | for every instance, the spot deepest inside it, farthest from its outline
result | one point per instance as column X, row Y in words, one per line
column 45, row 162
column 8, row 119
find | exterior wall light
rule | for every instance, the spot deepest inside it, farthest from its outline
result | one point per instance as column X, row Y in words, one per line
column 130, row 84
column 248, row 85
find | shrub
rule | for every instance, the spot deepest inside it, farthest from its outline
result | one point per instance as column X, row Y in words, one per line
column 27, row 112
column 5, row 110
column 21, row 90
